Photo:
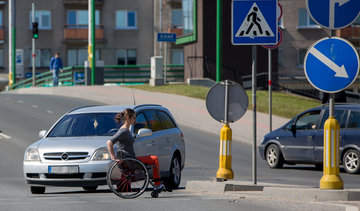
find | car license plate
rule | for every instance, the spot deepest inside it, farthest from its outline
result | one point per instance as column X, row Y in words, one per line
column 63, row 169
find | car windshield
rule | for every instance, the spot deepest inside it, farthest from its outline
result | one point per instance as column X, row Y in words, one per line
column 88, row 124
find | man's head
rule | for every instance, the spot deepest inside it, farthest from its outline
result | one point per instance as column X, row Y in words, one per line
column 57, row 54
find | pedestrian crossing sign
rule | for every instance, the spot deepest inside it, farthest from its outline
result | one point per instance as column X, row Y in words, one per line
column 254, row 22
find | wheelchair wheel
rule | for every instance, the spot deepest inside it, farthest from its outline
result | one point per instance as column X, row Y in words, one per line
column 128, row 179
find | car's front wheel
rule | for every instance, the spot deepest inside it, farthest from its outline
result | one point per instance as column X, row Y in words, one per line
column 37, row 190
column 175, row 173
column 274, row 156
column 351, row 161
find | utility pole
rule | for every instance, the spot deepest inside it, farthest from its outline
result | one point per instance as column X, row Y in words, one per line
column 91, row 40
column 12, row 67
column 33, row 47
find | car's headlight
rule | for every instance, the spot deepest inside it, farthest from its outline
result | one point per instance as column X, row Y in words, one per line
column 32, row 154
column 101, row 154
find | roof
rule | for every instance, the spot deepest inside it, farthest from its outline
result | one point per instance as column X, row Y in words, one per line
column 108, row 108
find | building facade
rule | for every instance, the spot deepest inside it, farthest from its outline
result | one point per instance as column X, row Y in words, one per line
column 124, row 33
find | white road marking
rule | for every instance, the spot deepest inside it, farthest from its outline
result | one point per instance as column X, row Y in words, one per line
column 4, row 135
column 50, row 112
column 35, row 106
column 20, row 101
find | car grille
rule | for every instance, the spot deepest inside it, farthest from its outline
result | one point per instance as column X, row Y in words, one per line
column 65, row 176
column 66, row 155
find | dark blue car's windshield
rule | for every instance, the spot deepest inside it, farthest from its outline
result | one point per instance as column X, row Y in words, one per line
column 90, row 124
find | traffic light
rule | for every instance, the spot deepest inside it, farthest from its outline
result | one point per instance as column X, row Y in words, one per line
column 35, row 30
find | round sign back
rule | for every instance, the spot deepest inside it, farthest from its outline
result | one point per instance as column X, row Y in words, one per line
column 237, row 101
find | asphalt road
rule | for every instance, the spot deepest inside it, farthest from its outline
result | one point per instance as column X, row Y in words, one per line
column 23, row 116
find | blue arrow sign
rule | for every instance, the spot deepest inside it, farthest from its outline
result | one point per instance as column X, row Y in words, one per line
column 166, row 37
column 331, row 64
column 333, row 14
column 254, row 22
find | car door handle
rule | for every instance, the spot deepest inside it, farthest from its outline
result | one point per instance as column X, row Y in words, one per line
column 309, row 138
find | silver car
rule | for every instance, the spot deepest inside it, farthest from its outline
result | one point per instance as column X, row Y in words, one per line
column 73, row 152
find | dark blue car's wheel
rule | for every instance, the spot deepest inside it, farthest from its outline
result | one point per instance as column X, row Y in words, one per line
column 351, row 161
column 274, row 156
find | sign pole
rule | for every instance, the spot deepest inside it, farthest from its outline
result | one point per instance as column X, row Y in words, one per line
column 218, row 40
column 270, row 91
column 254, row 58
column 33, row 48
column 331, row 178
column 165, row 61
column 12, row 43
column 225, row 172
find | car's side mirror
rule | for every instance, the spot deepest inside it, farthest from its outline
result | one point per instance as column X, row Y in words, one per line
column 42, row 133
column 143, row 132
column 293, row 128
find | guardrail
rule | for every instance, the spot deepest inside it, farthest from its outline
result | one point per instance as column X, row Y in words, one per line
column 113, row 74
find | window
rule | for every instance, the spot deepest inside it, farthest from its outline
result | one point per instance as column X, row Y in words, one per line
column 305, row 20
column 177, row 18
column 1, row 57
column 126, row 57
column 189, row 8
column 354, row 120
column 126, row 19
column 177, row 56
column 308, row 120
column 42, row 58
column 1, row 19
column 338, row 116
column 140, row 122
column 154, row 121
column 188, row 12
column 43, row 17
column 87, row 124
column 80, row 18
column 166, row 120
column 301, row 57
column 79, row 56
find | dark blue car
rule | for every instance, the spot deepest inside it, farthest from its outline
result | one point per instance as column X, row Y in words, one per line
column 301, row 139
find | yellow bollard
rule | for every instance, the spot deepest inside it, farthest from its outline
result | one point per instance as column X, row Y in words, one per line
column 331, row 178
column 225, row 172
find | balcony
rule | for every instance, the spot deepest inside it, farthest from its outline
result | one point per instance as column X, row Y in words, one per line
column 177, row 31
column 351, row 33
column 80, row 33
column 82, row 2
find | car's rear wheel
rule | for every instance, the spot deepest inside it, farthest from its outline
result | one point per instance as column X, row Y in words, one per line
column 274, row 156
column 175, row 173
column 37, row 190
column 90, row 188
column 351, row 161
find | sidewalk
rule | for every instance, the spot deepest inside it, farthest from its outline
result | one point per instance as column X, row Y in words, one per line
column 187, row 111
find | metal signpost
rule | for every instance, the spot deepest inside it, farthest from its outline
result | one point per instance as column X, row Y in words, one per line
column 270, row 47
column 166, row 37
column 226, row 102
column 332, row 65
column 254, row 23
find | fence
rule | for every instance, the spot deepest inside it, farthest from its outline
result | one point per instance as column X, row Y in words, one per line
column 118, row 74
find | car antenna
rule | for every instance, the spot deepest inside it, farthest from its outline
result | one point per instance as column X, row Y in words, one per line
column 132, row 93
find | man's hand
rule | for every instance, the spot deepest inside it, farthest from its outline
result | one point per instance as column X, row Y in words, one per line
column 61, row 70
